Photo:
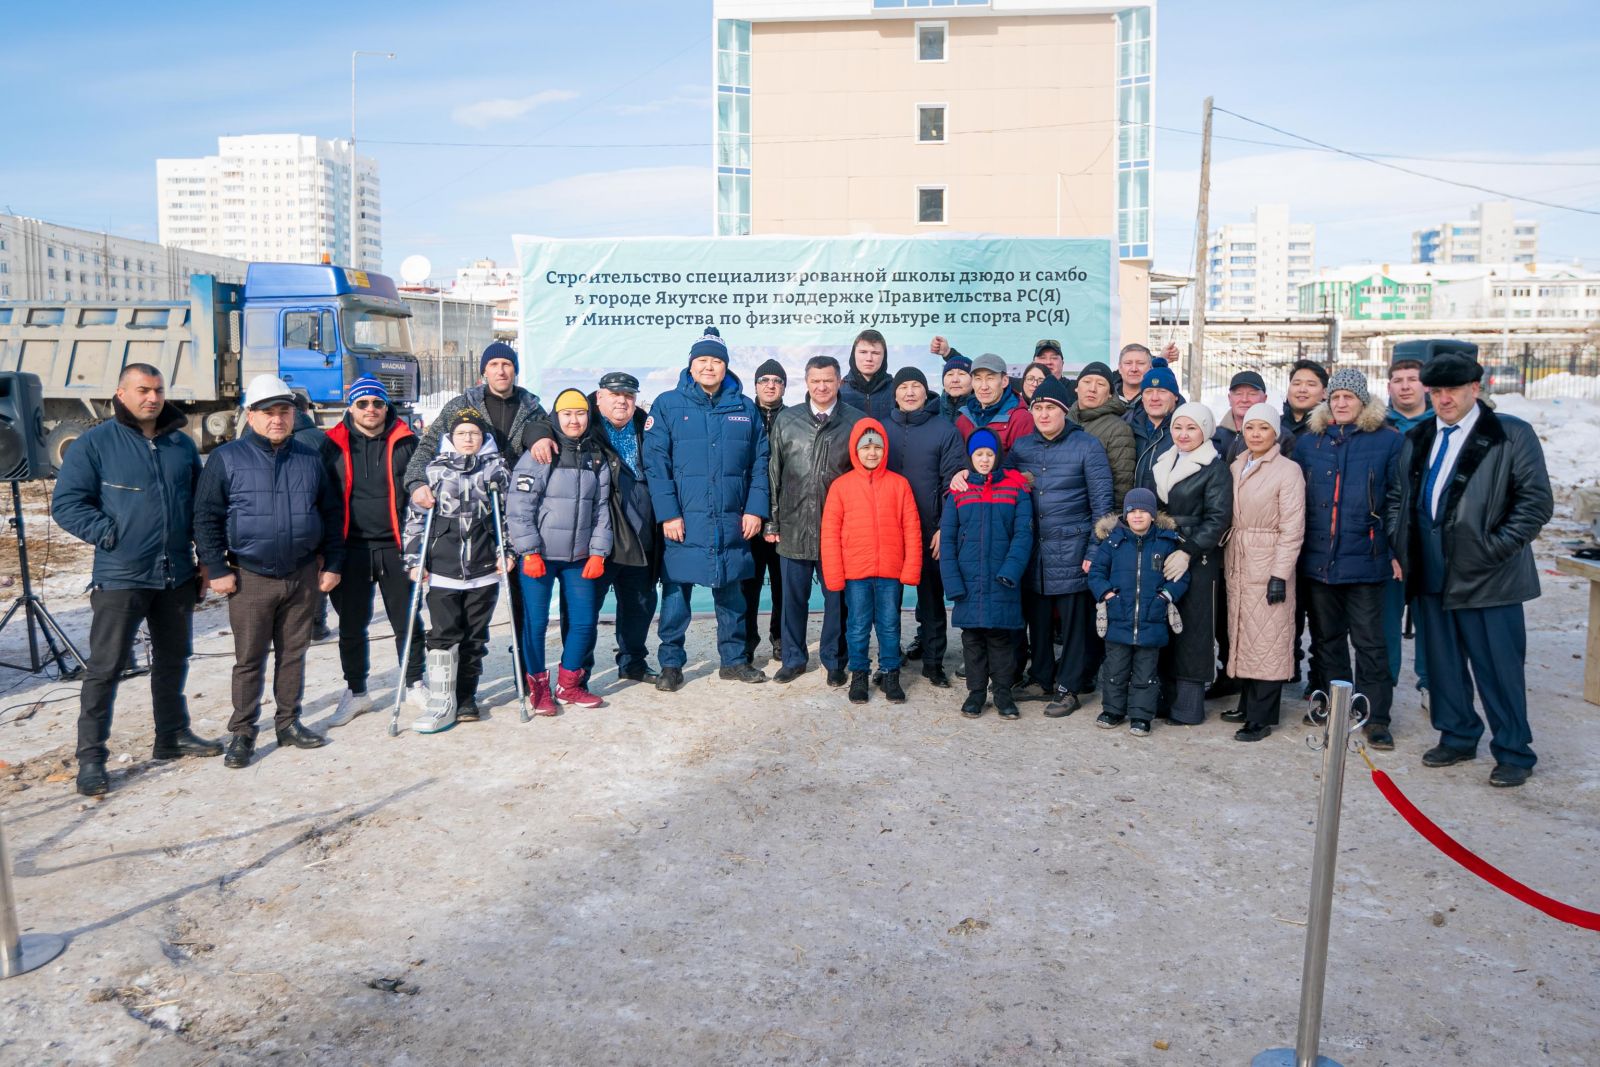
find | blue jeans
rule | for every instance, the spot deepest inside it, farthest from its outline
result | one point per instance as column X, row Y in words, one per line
column 578, row 596
column 636, row 606
column 674, row 625
column 872, row 603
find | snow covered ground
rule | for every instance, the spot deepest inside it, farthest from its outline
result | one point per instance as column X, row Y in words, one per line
column 738, row 874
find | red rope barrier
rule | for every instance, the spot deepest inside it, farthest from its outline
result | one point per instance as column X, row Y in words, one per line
column 1488, row 872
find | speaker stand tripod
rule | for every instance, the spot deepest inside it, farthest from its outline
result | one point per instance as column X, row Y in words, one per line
column 37, row 617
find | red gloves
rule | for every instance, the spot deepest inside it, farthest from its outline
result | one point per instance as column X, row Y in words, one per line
column 594, row 567
column 533, row 565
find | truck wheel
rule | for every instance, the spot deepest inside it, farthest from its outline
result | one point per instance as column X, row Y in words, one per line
column 60, row 438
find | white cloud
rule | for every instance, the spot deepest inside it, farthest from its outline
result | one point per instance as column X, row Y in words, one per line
column 639, row 200
column 483, row 113
column 686, row 97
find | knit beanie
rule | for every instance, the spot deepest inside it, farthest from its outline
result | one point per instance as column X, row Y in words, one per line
column 470, row 417
column 1263, row 412
column 960, row 363
column 710, row 344
column 571, row 400
column 910, row 374
column 367, row 386
column 774, row 368
column 1202, row 415
column 1052, row 391
column 1099, row 370
column 498, row 350
column 1160, row 378
column 983, row 437
column 1140, row 500
column 1350, row 380
column 869, row 435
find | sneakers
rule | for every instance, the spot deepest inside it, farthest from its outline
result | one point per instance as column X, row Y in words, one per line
column 670, row 680
column 972, row 707
column 570, row 689
column 92, row 780
column 741, row 672
column 351, row 704
column 891, row 687
column 858, row 687
column 1139, row 728
column 1108, row 720
column 1063, row 705
column 540, row 699
column 417, row 693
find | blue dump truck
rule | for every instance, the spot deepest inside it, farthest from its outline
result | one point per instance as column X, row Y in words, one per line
column 318, row 327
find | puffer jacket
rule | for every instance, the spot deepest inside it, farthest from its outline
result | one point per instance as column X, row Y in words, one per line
column 635, row 541
column 949, row 407
column 1072, row 488
column 269, row 510
column 1009, row 420
column 462, row 542
column 1348, row 470
column 132, row 498
column 1116, row 436
column 525, row 429
column 1149, row 442
column 870, row 527
column 806, row 458
column 1497, row 501
column 927, row 451
column 1129, row 565
column 562, row 510
column 985, row 538
column 1269, row 518
column 706, row 459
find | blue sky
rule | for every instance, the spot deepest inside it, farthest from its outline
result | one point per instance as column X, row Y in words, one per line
column 114, row 86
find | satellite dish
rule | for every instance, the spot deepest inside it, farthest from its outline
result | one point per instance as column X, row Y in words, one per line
column 414, row 270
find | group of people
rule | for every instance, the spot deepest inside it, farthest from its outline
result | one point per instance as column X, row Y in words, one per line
column 1096, row 532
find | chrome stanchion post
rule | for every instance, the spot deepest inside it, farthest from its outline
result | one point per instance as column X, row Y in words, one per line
column 1338, row 711
column 19, row 952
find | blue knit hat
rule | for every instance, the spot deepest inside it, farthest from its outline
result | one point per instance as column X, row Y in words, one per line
column 498, row 350
column 1160, row 378
column 710, row 344
column 960, row 363
column 1140, row 500
column 367, row 386
column 983, row 437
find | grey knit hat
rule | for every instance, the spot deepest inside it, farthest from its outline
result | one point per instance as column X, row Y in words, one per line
column 1350, row 380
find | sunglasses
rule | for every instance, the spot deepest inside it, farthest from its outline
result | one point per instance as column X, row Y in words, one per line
column 770, row 379
column 1047, row 343
column 369, row 404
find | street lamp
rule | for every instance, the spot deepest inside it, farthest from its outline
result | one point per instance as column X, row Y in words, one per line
column 355, row 224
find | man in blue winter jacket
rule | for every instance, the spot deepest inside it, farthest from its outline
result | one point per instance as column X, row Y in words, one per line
column 705, row 458
column 127, row 488
column 269, row 529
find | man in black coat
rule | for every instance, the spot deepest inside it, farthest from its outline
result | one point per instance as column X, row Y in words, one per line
column 771, row 381
column 810, row 448
column 869, row 385
column 926, row 449
column 634, row 566
column 1471, row 497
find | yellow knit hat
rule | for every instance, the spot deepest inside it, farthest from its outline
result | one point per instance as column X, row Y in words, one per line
column 571, row 400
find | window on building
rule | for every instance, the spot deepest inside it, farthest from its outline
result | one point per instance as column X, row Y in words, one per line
column 52, row 273
column 930, row 123
column 930, row 204
column 930, row 41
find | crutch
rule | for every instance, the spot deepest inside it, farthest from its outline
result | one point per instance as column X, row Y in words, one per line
column 505, row 580
column 411, row 621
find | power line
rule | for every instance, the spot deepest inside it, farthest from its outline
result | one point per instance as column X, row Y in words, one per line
column 1393, row 155
column 1407, row 170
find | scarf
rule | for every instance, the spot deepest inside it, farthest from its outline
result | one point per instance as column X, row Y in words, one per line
column 1174, row 465
column 626, row 442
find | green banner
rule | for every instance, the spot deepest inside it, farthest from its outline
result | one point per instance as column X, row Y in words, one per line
column 636, row 304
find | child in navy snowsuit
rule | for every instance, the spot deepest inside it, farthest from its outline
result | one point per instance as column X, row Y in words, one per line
column 1136, row 608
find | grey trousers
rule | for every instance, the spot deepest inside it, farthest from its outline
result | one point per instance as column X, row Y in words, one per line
column 271, row 614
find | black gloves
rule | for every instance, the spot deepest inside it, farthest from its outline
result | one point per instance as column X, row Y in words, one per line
column 1277, row 591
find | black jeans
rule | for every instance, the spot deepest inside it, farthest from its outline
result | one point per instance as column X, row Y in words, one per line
column 459, row 618
column 991, row 657
column 933, row 626
column 766, row 556
column 370, row 565
column 1131, row 687
column 1074, row 671
column 271, row 614
column 1345, row 615
column 117, row 614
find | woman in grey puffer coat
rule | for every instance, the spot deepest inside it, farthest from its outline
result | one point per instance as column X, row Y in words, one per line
column 560, row 519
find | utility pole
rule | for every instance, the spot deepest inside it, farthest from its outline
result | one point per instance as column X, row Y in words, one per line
column 1194, row 384
column 355, row 224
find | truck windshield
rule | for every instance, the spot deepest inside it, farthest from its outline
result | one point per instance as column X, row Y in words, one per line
column 373, row 331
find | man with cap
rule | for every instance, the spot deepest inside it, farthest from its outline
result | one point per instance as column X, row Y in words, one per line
column 927, row 451
column 1099, row 410
column 367, row 454
column 634, row 565
column 956, row 380
column 1245, row 391
column 1348, row 456
column 810, row 448
column 1471, row 496
column 268, row 527
column 127, row 488
column 706, row 459
column 1151, row 421
column 771, row 381
column 993, row 404
column 869, row 386
column 1046, row 352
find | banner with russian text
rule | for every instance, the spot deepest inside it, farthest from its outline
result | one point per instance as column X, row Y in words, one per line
column 590, row 306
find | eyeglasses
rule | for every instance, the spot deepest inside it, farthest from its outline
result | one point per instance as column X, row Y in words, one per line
column 769, row 379
column 369, row 404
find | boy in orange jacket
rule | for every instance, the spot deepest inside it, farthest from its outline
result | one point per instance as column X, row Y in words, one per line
column 871, row 546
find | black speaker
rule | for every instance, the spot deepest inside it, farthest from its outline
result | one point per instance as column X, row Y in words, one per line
column 22, row 454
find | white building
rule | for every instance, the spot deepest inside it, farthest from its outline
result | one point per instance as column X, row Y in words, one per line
column 489, row 283
column 1492, row 235
column 1554, row 294
column 1255, row 268
column 275, row 197
column 42, row 261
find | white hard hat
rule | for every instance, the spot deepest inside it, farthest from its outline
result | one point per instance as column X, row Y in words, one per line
column 267, row 389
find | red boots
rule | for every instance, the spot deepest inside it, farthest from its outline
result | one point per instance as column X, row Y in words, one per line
column 570, row 689
column 539, row 697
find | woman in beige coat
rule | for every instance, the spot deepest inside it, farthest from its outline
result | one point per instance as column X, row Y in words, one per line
column 1269, row 518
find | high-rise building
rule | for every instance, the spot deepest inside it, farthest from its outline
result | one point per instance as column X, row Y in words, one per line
column 1493, row 235
column 1025, row 117
column 1255, row 268
column 43, row 261
column 277, row 197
